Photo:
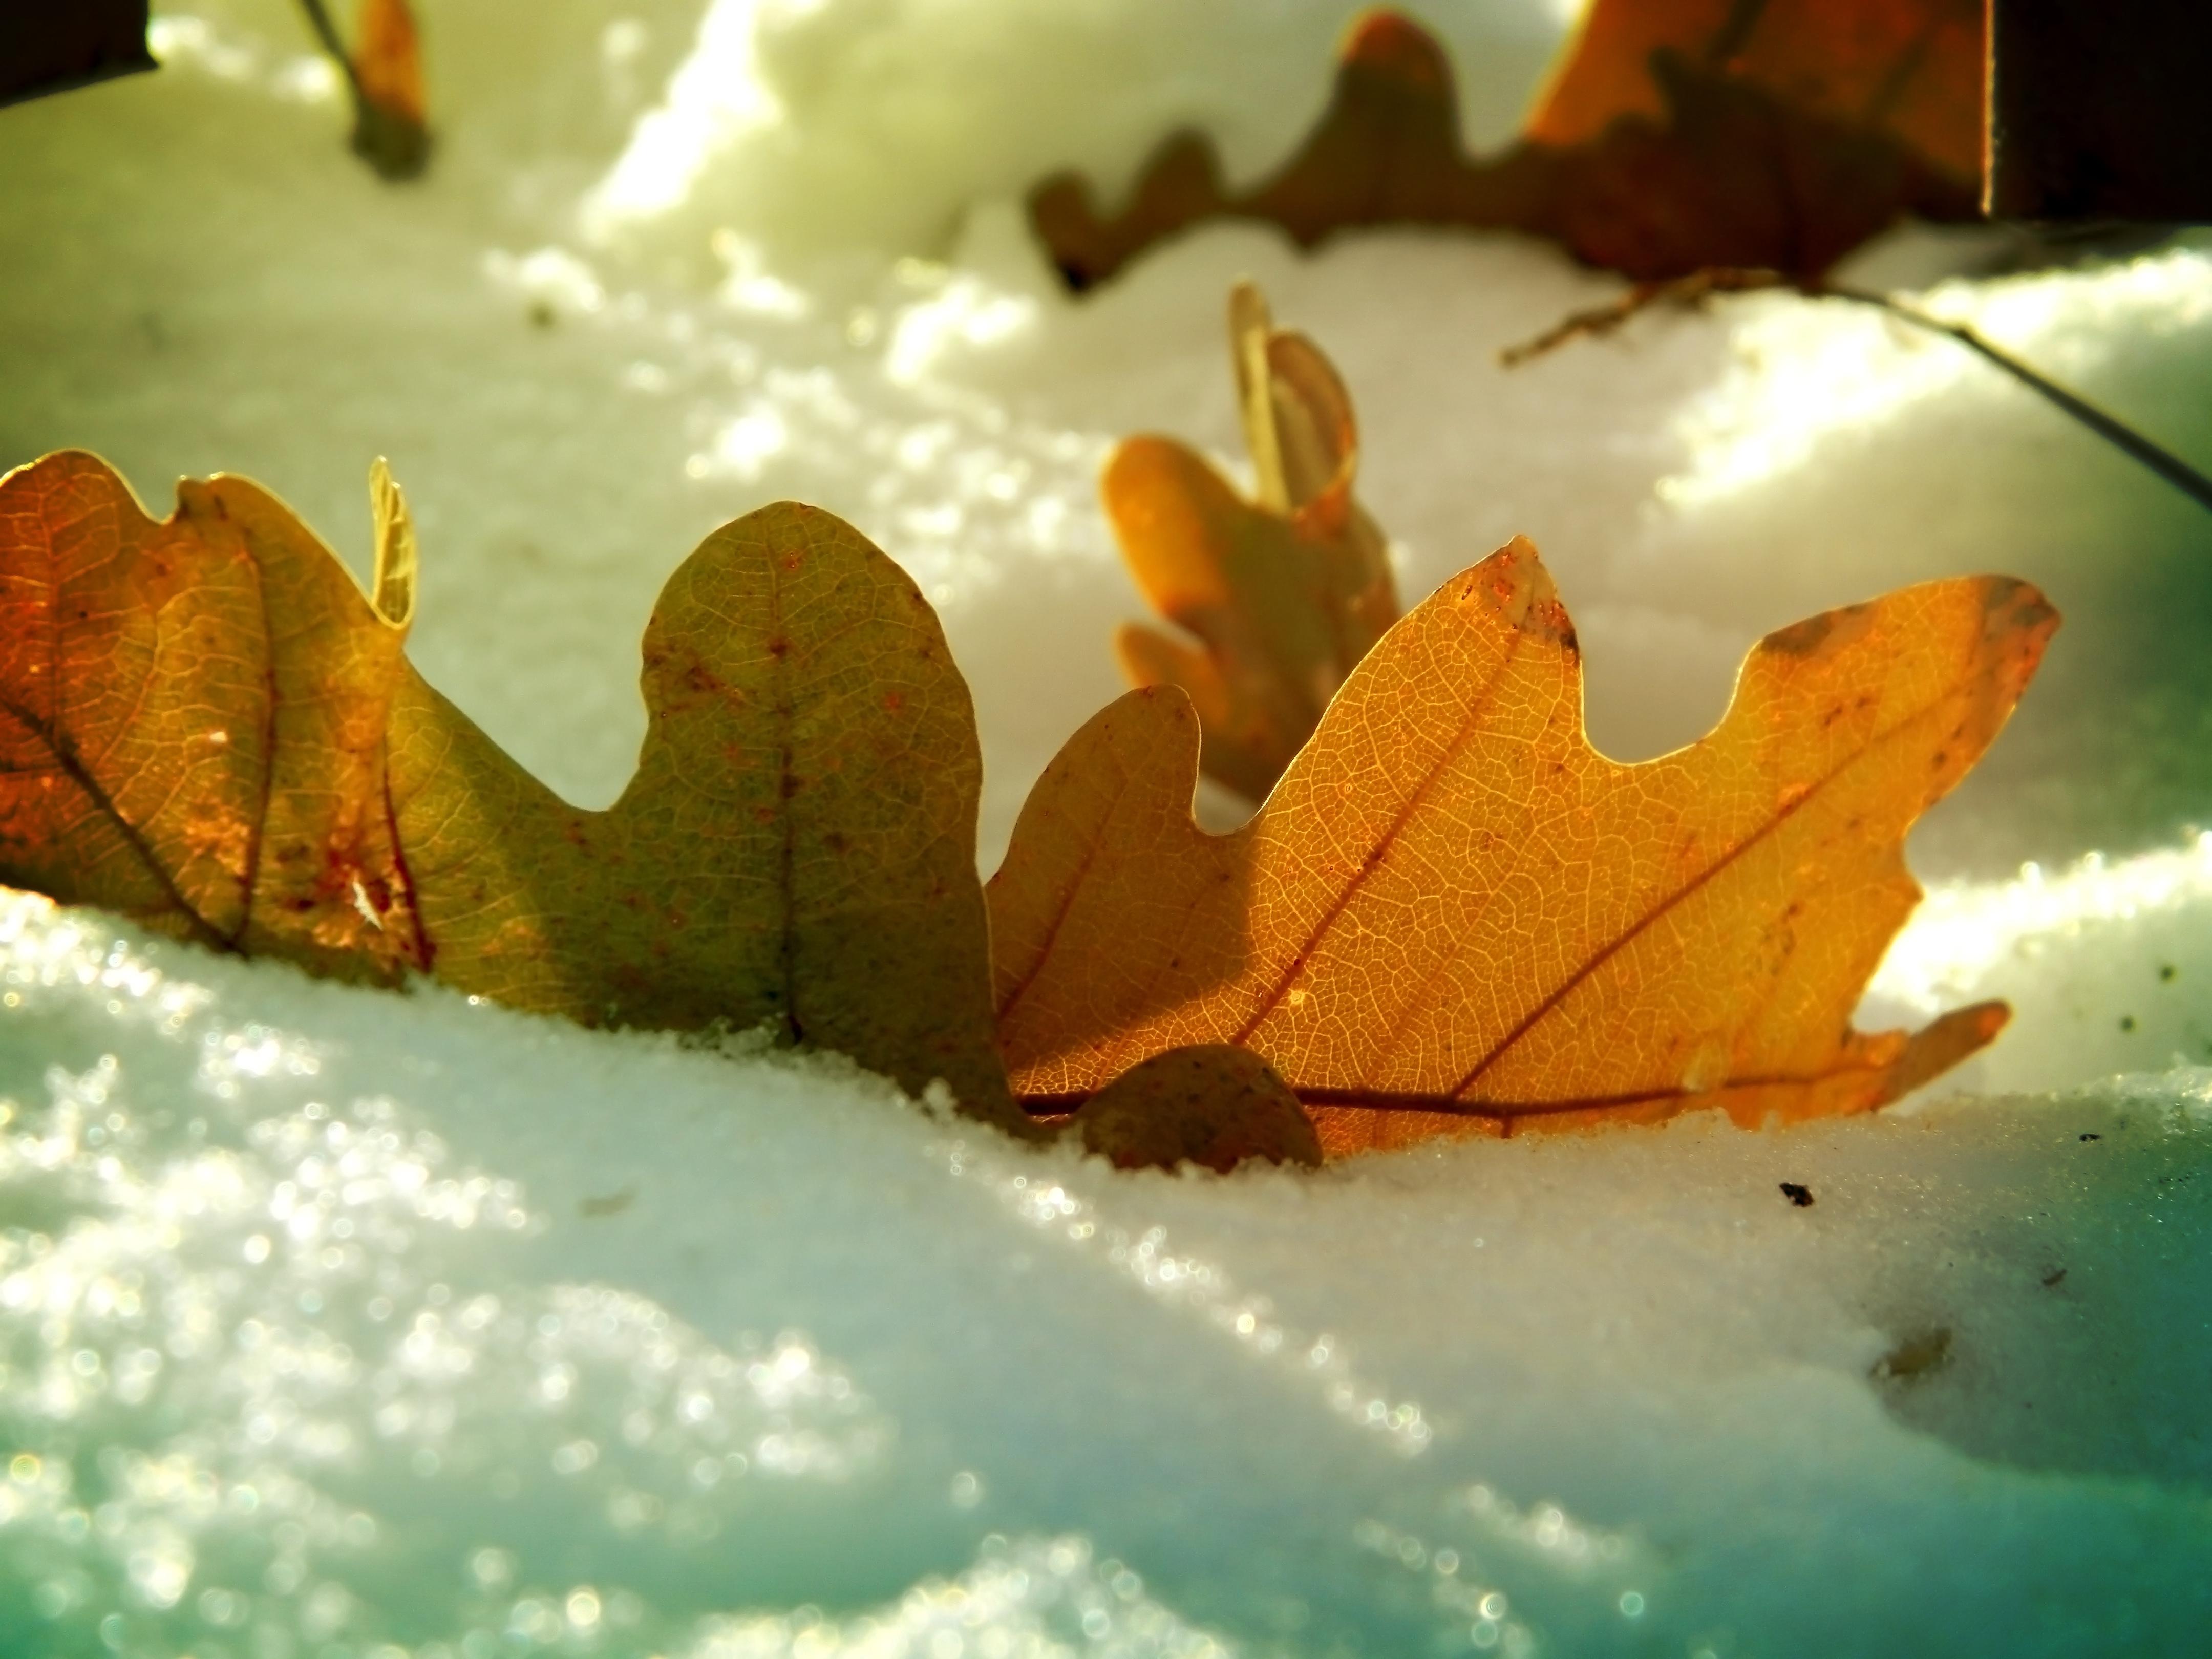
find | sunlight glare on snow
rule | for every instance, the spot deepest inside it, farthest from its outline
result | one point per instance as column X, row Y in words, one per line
column 1804, row 374
column 548, row 276
column 1026, row 1598
column 1141, row 1254
column 716, row 95
column 965, row 310
column 1962, row 929
column 245, row 1311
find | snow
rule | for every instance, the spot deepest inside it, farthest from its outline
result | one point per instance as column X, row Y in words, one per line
column 337, row 1322
column 337, row 1316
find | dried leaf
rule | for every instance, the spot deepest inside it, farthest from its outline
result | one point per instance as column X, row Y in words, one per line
column 206, row 726
column 1910, row 68
column 798, row 846
column 1674, row 140
column 192, row 718
column 1213, row 1105
column 392, row 115
column 1286, row 593
column 1453, row 915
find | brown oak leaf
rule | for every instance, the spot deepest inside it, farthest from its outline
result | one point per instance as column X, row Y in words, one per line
column 1453, row 915
column 1677, row 137
column 206, row 726
column 192, row 719
column 1285, row 594
column 1912, row 68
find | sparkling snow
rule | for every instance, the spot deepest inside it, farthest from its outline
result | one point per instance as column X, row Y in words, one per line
column 334, row 1323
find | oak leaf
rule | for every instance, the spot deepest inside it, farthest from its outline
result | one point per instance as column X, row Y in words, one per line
column 392, row 129
column 1453, row 915
column 192, row 719
column 1285, row 594
column 1677, row 137
column 206, row 726
column 1912, row 68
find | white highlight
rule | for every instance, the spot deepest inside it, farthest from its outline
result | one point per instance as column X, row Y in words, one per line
column 196, row 44
column 1964, row 930
column 1805, row 373
column 964, row 312
column 1047, row 1598
column 552, row 276
column 715, row 96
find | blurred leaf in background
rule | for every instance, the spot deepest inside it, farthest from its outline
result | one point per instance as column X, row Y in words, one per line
column 390, row 124
column 50, row 45
column 1676, row 136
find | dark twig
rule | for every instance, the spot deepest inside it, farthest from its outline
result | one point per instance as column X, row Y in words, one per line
column 2114, row 431
column 326, row 32
column 1695, row 289
column 1596, row 322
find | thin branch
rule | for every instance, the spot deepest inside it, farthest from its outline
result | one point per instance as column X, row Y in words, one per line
column 1598, row 321
column 326, row 32
column 2114, row 431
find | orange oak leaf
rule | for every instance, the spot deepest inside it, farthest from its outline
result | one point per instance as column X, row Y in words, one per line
column 1453, row 915
column 1677, row 137
column 1285, row 594
column 206, row 726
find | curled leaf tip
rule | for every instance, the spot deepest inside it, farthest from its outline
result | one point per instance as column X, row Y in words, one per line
column 392, row 586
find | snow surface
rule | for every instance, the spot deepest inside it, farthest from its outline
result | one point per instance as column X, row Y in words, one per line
column 339, row 1323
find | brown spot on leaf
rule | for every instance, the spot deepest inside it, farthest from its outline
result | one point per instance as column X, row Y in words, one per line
column 1800, row 638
